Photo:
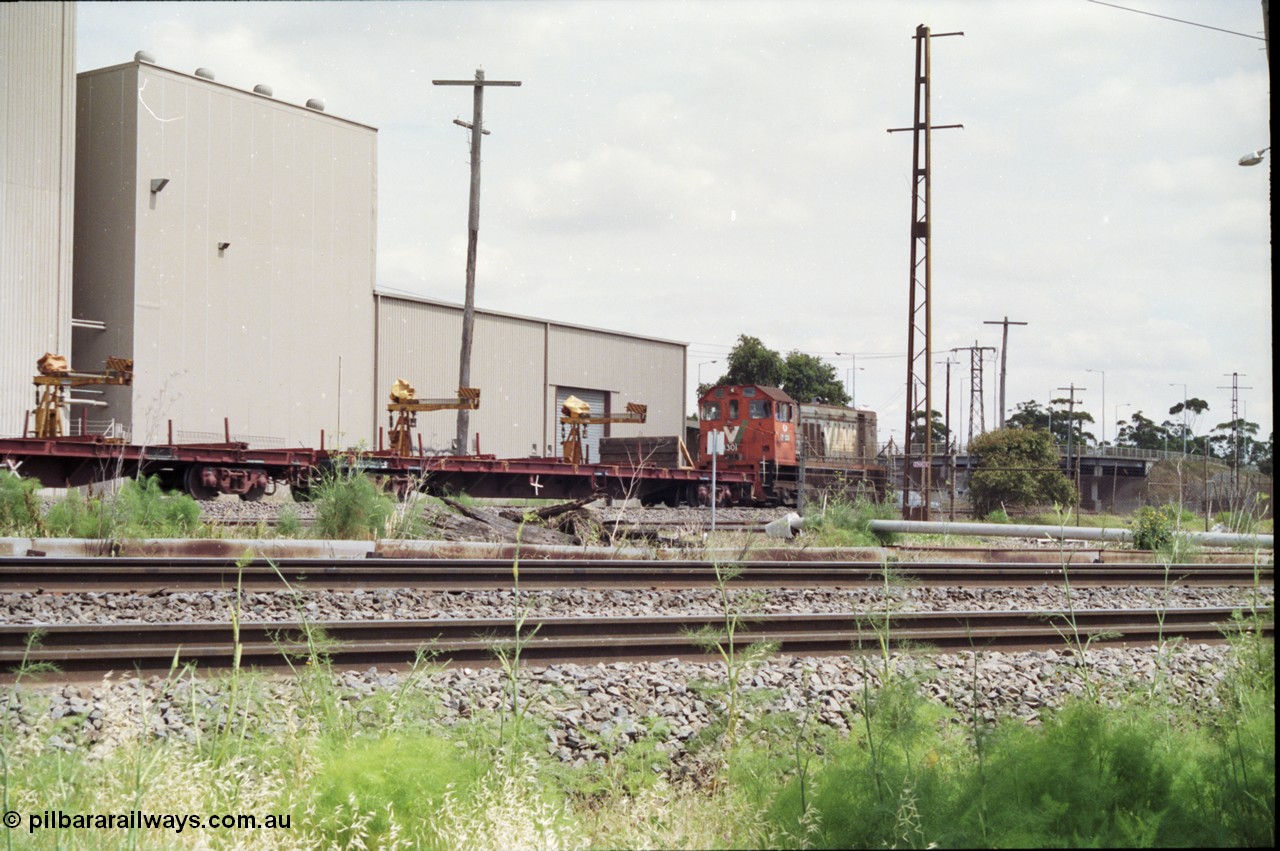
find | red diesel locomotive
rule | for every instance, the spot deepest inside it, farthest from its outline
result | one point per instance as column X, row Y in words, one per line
column 781, row 444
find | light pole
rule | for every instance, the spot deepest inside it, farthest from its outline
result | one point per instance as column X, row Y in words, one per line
column 1184, row 414
column 1115, row 472
column 853, row 376
column 700, row 366
column 1103, row 373
column 1118, row 407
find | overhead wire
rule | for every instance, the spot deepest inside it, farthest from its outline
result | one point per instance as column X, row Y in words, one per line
column 1177, row 20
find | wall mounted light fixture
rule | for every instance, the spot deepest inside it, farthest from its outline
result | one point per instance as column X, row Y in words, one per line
column 158, row 183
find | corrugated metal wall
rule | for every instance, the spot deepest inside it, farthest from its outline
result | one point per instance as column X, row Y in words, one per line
column 518, row 364
column 629, row 369
column 106, row 226
column 37, row 121
column 420, row 341
column 253, row 276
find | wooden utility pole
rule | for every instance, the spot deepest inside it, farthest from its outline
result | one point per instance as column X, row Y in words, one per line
column 473, row 236
column 1073, row 465
column 1004, row 359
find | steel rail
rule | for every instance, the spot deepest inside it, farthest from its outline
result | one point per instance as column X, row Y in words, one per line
column 160, row 575
column 149, row 648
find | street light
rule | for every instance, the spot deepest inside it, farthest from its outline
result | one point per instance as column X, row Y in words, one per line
column 1103, row 373
column 1255, row 157
column 1117, row 416
column 700, row 366
column 853, row 376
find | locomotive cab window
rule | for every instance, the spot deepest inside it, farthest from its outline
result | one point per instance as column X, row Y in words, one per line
column 711, row 411
column 733, row 411
column 784, row 413
column 748, row 391
column 759, row 409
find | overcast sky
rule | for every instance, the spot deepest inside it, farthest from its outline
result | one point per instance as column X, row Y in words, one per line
column 695, row 171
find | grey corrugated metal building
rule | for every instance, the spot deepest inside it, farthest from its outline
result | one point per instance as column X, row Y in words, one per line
column 37, row 120
column 525, row 368
column 225, row 241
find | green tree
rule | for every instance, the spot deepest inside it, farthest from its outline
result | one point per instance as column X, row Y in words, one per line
column 1016, row 468
column 810, row 379
column 1183, row 432
column 1142, row 433
column 1029, row 415
column 1222, row 444
column 752, row 362
column 1260, row 454
column 941, row 436
column 1032, row 415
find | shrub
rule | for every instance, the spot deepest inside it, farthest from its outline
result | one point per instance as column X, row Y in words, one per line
column 19, row 506
column 141, row 509
column 351, row 506
column 1155, row 528
column 1017, row 468
column 1089, row 776
column 377, row 788
column 288, row 523
column 846, row 523
column 886, row 786
column 73, row 517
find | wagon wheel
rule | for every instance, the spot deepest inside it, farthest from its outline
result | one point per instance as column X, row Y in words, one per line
column 193, row 484
column 254, row 493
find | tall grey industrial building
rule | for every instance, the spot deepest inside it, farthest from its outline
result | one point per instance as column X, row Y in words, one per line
column 37, row 112
column 225, row 240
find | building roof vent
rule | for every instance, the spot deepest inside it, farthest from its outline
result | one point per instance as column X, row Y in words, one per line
column 204, row 73
column 317, row 104
column 263, row 89
column 145, row 56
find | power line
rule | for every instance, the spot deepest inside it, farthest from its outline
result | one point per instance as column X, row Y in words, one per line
column 1178, row 20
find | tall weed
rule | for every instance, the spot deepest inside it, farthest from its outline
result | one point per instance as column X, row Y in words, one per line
column 140, row 509
column 845, row 522
column 399, row 782
column 351, row 506
column 19, row 506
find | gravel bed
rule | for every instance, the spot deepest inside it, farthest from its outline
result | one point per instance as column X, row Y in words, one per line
column 409, row 604
column 588, row 712
column 233, row 509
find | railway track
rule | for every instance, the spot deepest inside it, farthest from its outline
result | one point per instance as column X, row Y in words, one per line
column 80, row 649
column 159, row 575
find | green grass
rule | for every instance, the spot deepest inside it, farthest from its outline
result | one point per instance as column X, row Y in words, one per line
column 382, row 771
column 845, row 522
column 19, row 506
column 139, row 509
